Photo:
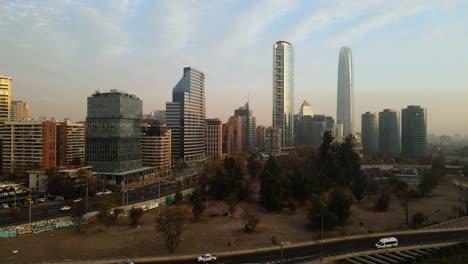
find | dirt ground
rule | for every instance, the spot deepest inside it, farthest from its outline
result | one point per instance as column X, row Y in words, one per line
column 210, row 234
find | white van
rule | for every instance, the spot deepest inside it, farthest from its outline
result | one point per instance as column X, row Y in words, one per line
column 387, row 242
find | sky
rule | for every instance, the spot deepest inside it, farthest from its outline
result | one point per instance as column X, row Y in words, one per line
column 404, row 53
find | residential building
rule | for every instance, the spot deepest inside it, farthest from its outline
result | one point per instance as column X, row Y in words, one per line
column 345, row 102
column 113, row 137
column 156, row 147
column 370, row 133
column 389, row 132
column 185, row 116
column 19, row 111
column 76, row 142
column 273, row 141
column 38, row 178
column 54, row 144
column 283, row 91
column 232, row 136
column 260, row 138
column 214, row 138
column 413, row 132
column 5, row 98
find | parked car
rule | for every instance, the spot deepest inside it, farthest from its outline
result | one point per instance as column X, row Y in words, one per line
column 99, row 193
column 65, row 208
column 131, row 189
column 207, row 258
column 387, row 242
column 59, row 198
column 5, row 206
column 77, row 200
column 107, row 192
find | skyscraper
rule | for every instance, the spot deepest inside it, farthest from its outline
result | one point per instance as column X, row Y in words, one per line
column 156, row 147
column 185, row 116
column 345, row 102
column 389, row 132
column 273, row 141
column 214, row 138
column 249, row 123
column 232, row 136
column 305, row 125
column 413, row 132
column 260, row 138
column 19, row 111
column 5, row 98
column 370, row 133
column 283, row 91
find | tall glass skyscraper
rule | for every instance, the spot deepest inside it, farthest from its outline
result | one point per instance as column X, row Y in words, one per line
column 249, row 122
column 345, row 102
column 185, row 116
column 370, row 132
column 283, row 91
column 389, row 132
column 413, row 132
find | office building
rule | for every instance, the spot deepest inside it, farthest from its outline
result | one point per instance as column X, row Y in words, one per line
column 273, row 141
column 330, row 125
column 19, row 111
column 318, row 129
column 338, row 130
column 260, row 138
column 185, row 116
column 156, row 147
column 214, row 138
column 413, row 132
column 232, row 136
column 113, row 137
column 389, row 132
column 345, row 102
column 5, row 98
column 370, row 133
column 305, row 124
column 283, row 91
column 249, row 124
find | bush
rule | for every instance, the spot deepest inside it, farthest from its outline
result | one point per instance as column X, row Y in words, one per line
column 418, row 219
column 382, row 202
column 135, row 214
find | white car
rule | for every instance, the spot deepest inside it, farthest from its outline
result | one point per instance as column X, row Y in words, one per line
column 77, row 200
column 5, row 206
column 41, row 200
column 387, row 242
column 59, row 198
column 207, row 258
column 65, row 208
column 107, row 192
column 99, row 193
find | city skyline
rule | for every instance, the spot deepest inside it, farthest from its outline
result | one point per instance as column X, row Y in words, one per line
column 390, row 43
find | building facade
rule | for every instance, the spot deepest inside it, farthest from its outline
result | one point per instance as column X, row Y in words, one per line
column 54, row 144
column 249, row 123
column 185, row 116
column 232, row 136
column 260, row 138
column 389, row 132
column 19, row 111
column 273, row 141
column 370, row 133
column 345, row 102
column 413, row 132
column 214, row 138
column 38, row 178
column 156, row 148
column 76, row 143
column 283, row 91
column 5, row 98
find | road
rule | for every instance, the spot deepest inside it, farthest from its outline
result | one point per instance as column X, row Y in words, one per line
column 50, row 210
column 308, row 253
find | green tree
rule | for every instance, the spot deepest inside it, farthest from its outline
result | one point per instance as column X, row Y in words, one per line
column 198, row 206
column 428, row 183
column 270, row 191
column 340, row 204
column 319, row 211
column 359, row 186
column 383, row 201
column 418, row 219
column 135, row 215
column 77, row 212
column 232, row 201
column 253, row 166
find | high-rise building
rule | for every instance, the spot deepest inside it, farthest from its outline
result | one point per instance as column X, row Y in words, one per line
column 345, row 102
column 113, row 137
column 232, row 136
column 273, row 141
column 330, row 125
column 389, row 132
column 260, row 138
column 214, row 138
column 283, row 91
column 185, row 116
column 370, row 133
column 159, row 115
column 19, row 111
column 54, row 144
column 5, row 98
column 338, row 130
column 156, row 147
column 413, row 132
column 318, row 129
column 249, row 124
column 305, row 124
column 76, row 142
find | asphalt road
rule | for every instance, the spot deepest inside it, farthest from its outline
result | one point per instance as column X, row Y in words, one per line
column 308, row 253
column 50, row 210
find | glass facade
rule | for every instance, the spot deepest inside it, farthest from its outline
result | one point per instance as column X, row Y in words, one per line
column 389, row 132
column 370, row 132
column 283, row 91
column 345, row 102
column 413, row 132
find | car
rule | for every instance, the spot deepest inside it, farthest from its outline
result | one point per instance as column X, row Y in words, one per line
column 387, row 242
column 99, row 193
column 126, row 262
column 77, row 200
column 207, row 258
column 107, row 192
column 41, row 200
column 5, row 206
column 131, row 189
column 59, row 198
column 65, row 208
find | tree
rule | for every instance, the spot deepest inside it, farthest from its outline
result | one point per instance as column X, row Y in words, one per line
column 319, row 211
column 382, row 202
column 359, row 186
column 170, row 223
column 251, row 218
column 270, row 191
column 253, row 166
column 232, row 201
column 418, row 219
column 135, row 215
column 198, row 206
column 105, row 212
column 178, row 197
column 78, row 211
column 340, row 204
column 428, row 183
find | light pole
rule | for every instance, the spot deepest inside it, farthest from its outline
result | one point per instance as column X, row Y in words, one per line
column 30, row 225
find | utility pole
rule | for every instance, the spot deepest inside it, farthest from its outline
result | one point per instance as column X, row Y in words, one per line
column 30, row 225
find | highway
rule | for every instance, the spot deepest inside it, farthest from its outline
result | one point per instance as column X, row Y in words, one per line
column 308, row 253
column 51, row 209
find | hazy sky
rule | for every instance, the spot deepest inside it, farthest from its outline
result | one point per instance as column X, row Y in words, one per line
column 405, row 52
